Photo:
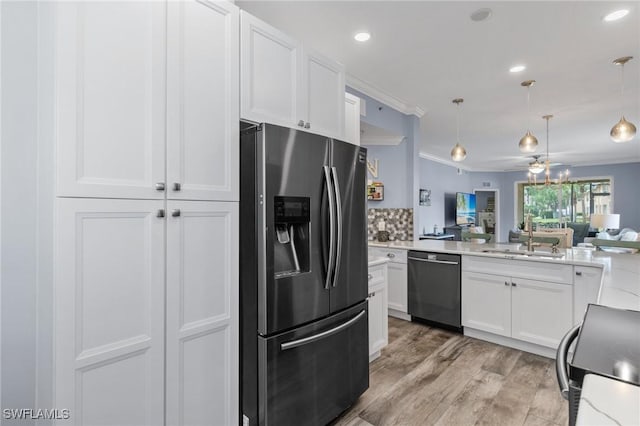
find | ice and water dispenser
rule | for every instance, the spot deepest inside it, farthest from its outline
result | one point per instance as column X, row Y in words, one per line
column 291, row 240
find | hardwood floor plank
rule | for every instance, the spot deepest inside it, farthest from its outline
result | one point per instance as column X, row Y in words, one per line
column 474, row 398
column 547, row 403
column 511, row 404
column 432, row 386
column 428, row 376
column 503, row 362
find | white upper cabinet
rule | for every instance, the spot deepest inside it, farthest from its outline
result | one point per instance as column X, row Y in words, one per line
column 269, row 68
column 351, row 119
column 144, row 83
column 284, row 84
column 202, row 101
column 322, row 95
column 110, row 94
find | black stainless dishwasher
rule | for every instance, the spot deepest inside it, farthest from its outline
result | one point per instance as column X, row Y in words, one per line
column 434, row 288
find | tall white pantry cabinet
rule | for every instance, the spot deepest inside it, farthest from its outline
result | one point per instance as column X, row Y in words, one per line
column 146, row 212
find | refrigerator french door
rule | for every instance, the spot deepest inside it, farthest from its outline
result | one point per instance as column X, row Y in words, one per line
column 304, row 342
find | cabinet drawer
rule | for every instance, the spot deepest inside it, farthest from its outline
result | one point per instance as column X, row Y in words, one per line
column 394, row 255
column 377, row 274
column 542, row 271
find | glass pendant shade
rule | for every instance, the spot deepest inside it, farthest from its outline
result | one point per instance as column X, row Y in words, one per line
column 536, row 167
column 528, row 143
column 623, row 131
column 458, row 153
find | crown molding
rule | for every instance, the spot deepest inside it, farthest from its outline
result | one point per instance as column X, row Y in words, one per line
column 384, row 97
column 382, row 140
column 445, row 162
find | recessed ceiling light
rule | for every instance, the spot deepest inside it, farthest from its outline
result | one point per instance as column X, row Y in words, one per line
column 363, row 36
column 517, row 68
column 618, row 14
column 481, row 14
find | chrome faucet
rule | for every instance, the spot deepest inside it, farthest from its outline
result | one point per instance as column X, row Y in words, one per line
column 530, row 230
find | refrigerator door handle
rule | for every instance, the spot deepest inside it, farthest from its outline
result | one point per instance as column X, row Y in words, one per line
column 306, row 340
column 332, row 223
column 561, row 360
column 336, row 187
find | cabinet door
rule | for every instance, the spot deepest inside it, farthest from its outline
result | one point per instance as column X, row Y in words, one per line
column 586, row 283
column 202, row 313
column 486, row 302
column 351, row 119
column 109, row 316
column 110, row 99
column 397, row 273
column 202, row 101
column 269, row 73
column 378, row 319
column 322, row 95
column 541, row 311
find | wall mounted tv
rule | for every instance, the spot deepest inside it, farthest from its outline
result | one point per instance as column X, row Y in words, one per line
column 465, row 209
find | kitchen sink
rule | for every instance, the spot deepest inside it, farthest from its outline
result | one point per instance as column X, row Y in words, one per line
column 525, row 253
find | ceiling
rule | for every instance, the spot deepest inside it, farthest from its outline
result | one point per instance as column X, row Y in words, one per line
column 426, row 53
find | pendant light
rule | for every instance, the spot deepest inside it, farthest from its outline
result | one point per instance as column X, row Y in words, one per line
column 547, row 163
column 528, row 143
column 623, row 131
column 458, row 153
column 536, row 166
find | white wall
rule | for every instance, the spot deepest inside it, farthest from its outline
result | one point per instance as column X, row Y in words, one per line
column 19, row 155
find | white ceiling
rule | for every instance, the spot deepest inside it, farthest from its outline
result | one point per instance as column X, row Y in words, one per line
column 426, row 53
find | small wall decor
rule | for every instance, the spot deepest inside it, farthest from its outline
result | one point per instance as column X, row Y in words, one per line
column 375, row 191
column 372, row 167
column 425, row 197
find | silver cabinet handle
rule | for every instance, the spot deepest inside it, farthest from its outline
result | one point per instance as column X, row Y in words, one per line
column 506, row 283
column 177, row 186
column 370, row 277
column 446, row 262
column 300, row 123
column 514, row 284
column 175, row 213
column 307, row 125
column 561, row 360
column 295, row 343
column 391, row 255
column 160, row 213
column 579, row 273
column 160, row 186
column 372, row 294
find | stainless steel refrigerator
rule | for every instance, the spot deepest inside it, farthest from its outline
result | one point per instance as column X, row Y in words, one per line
column 303, row 269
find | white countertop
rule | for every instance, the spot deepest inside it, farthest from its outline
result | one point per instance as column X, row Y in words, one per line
column 620, row 288
column 608, row 402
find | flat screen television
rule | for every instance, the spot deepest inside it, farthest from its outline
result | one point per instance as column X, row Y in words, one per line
column 465, row 209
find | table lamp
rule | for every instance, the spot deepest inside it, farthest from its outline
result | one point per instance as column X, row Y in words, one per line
column 604, row 222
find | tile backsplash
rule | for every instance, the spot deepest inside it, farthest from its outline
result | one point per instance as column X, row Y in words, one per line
column 398, row 222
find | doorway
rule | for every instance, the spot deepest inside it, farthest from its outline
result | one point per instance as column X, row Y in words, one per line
column 488, row 211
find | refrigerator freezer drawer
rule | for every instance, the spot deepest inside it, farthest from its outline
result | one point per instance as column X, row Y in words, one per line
column 311, row 374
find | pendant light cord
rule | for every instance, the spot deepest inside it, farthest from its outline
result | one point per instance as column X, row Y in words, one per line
column 622, row 89
column 529, row 108
column 458, row 122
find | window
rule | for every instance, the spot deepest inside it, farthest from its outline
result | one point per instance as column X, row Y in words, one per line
column 571, row 202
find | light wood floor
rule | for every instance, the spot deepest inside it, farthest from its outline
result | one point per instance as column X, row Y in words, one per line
column 428, row 376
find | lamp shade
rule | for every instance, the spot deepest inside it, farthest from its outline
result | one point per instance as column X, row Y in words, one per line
column 605, row 221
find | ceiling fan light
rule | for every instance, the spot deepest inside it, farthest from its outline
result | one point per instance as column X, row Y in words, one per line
column 458, row 153
column 623, row 131
column 528, row 143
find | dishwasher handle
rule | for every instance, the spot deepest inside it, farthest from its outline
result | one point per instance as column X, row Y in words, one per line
column 446, row 262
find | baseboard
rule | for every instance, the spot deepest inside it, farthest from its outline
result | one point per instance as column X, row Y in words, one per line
column 399, row 315
column 512, row 343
